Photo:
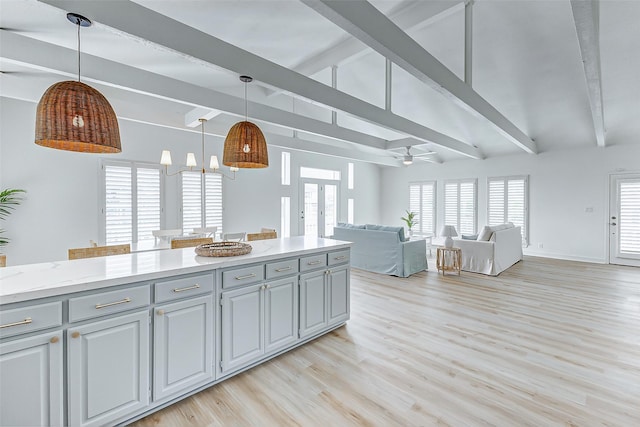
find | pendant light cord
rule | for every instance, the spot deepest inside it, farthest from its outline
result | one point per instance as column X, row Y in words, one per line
column 78, row 23
column 202, row 126
column 245, row 103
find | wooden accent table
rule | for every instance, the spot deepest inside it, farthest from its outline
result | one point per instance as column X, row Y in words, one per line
column 449, row 259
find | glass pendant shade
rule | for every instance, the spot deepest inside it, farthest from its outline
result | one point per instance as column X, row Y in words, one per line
column 74, row 116
column 241, row 135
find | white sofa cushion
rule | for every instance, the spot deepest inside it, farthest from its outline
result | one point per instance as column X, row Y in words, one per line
column 485, row 234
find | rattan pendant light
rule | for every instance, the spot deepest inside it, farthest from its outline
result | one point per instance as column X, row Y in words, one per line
column 74, row 116
column 245, row 146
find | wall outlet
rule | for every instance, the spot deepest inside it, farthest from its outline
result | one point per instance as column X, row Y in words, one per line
column 540, row 246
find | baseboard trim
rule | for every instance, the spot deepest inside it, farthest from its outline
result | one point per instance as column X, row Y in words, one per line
column 564, row 257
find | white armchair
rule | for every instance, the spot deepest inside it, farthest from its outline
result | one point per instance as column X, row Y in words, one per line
column 492, row 257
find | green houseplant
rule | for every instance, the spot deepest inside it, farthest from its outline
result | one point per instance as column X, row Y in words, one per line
column 9, row 199
column 409, row 220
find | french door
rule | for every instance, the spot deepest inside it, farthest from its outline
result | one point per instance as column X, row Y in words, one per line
column 624, row 220
column 319, row 210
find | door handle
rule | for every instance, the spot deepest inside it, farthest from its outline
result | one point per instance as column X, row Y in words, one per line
column 612, row 223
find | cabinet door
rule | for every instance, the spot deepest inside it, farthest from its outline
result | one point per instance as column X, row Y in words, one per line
column 339, row 299
column 313, row 303
column 31, row 381
column 108, row 369
column 281, row 313
column 183, row 346
column 242, row 326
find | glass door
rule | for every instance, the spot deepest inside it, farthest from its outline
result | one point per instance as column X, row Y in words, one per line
column 319, row 213
column 624, row 220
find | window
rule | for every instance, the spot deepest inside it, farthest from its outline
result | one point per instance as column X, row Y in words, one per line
column 422, row 201
column 285, row 173
column 350, row 176
column 507, row 202
column 285, row 216
column 132, row 203
column 201, row 200
column 350, row 211
column 319, row 173
column 460, row 205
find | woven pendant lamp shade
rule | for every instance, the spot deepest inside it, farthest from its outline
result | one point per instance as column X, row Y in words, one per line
column 241, row 134
column 74, row 116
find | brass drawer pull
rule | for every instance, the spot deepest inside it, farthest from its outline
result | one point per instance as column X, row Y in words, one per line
column 196, row 286
column 280, row 270
column 248, row 276
column 54, row 340
column 26, row 321
column 314, row 262
column 340, row 257
column 124, row 301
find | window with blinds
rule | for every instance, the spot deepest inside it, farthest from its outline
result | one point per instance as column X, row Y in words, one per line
column 201, row 201
column 422, row 201
column 508, row 202
column 629, row 221
column 461, row 205
column 132, row 204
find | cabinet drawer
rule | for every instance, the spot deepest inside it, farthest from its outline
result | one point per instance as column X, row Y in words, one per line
column 338, row 257
column 184, row 287
column 32, row 318
column 242, row 276
column 105, row 303
column 313, row 262
column 282, row 268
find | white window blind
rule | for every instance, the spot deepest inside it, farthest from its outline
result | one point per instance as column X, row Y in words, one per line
column 133, row 196
column 629, row 222
column 460, row 205
column 201, row 201
column 285, row 216
column 507, row 202
column 422, row 201
column 285, row 173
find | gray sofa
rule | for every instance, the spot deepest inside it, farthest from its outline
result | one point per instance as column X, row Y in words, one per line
column 383, row 249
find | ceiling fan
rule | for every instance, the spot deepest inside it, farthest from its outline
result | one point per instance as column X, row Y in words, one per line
column 408, row 158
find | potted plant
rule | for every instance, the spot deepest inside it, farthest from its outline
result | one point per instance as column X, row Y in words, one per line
column 409, row 220
column 9, row 199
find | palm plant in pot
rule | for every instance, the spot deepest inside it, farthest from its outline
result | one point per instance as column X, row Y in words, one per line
column 9, row 199
column 409, row 220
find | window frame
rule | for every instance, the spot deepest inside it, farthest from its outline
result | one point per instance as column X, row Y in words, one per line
column 203, row 200
column 506, row 179
column 434, row 213
column 458, row 182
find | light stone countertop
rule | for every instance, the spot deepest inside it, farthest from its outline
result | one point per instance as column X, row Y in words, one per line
column 33, row 281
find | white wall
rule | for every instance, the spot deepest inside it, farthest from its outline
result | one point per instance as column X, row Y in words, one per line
column 562, row 185
column 61, row 209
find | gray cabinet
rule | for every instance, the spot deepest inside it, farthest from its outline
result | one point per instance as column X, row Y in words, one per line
column 182, row 346
column 31, row 381
column 258, row 320
column 324, row 299
column 108, row 369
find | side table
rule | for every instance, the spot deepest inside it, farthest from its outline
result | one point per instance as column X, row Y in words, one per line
column 448, row 259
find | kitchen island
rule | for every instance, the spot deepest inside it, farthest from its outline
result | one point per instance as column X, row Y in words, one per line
column 104, row 341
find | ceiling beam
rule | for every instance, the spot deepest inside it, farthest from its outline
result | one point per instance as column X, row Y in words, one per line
column 362, row 20
column 409, row 15
column 161, row 30
column 586, row 15
column 59, row 60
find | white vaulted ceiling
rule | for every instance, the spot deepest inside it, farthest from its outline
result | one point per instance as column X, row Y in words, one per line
column 528, row 73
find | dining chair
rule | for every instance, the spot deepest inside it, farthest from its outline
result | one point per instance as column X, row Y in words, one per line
column 265, row 235
column 206, row 231
column 190, row 242
column 166, row 234
column 238, row 237
column 97, row 251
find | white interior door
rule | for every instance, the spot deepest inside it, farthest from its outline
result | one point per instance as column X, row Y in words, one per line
column 624, row 220
column 319, row 213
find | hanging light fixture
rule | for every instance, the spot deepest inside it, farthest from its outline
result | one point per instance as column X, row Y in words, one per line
column 245, row 146
column 214, row 165
column 74, row 116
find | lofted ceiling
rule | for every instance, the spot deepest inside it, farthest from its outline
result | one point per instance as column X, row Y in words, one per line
column 544, row 73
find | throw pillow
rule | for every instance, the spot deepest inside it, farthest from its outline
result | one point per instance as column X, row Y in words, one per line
column 469, row 237
column 485, row 234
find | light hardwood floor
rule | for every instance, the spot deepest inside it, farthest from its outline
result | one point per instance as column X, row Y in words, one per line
column 546, row 343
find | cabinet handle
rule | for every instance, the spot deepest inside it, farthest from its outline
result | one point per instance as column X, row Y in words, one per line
column 248, row 276
column 26, row 321
column 268, row 286
column 314, row 262
column 263, row 287
column 280, row 270
column 109, row 304
column 196, row 286
column 160, row 312
column 54, row 340
column 340, row 257
column 75, row 335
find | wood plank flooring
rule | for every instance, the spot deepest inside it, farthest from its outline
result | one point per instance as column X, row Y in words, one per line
column 546, row 343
